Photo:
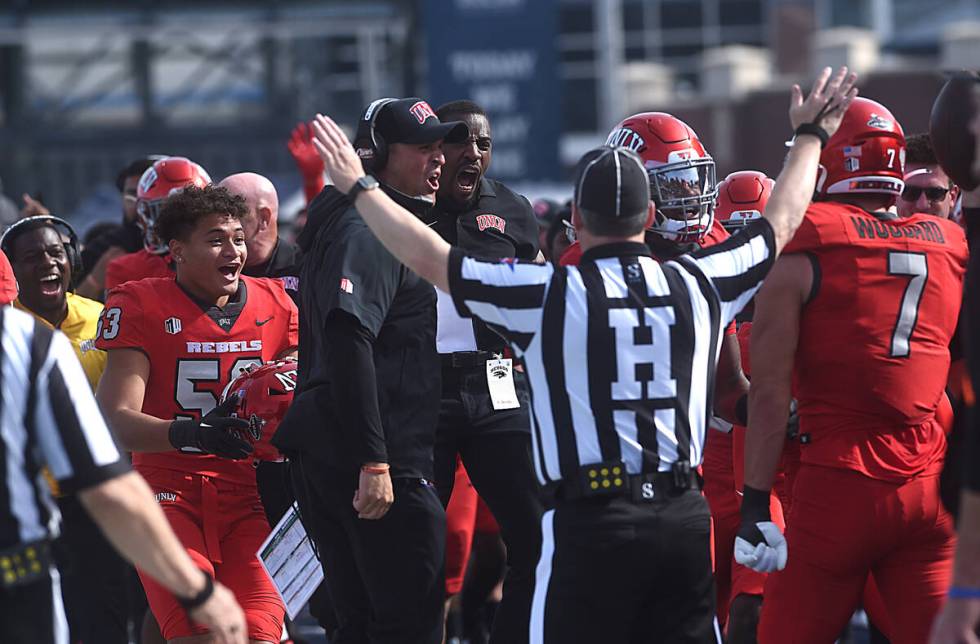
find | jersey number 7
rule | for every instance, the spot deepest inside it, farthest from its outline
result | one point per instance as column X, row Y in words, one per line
column 915, row 266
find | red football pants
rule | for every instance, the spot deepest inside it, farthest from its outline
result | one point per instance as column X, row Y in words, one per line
column 731, row 579
column 842, row 527
column 222, row 526
column 460, row 523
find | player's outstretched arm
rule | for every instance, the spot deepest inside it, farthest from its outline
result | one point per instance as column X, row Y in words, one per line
column 407, row 238
column 124, row 509
column 759, row 543
column 824, row 107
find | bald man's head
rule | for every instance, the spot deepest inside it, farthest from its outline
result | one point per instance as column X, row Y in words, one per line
column 261, row 223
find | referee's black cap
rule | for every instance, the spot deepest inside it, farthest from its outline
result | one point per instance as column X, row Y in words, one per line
column 612, row 182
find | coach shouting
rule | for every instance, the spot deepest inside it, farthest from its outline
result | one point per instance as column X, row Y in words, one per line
column 620, row 354
column 362, row 424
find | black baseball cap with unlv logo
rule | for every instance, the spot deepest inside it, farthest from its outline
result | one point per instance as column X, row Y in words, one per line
column 412, row 121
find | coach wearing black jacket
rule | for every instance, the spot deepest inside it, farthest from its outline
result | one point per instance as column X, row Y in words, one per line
column 361, row 428
column 492, row 436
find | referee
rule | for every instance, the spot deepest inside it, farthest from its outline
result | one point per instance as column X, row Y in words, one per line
column 620, row 353
column 49, row 418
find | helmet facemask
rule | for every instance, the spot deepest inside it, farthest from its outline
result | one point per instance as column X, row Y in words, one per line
column 147, row 213
column 684, row 194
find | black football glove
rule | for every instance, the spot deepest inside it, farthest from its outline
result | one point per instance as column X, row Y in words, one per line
column 759, row 543
column 216, row 433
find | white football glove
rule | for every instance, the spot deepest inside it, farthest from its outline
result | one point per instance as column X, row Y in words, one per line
column 761, row 546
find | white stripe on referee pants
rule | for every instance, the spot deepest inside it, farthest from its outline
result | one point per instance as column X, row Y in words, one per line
column 718, row 639
column 58, row 617
column 542, row 578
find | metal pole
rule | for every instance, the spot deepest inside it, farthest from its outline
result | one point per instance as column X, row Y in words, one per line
column 608, row 17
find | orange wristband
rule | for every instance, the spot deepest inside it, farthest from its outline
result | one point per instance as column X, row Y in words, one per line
column 375, row 469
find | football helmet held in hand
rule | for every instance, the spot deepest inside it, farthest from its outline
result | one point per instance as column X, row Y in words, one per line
column 264, row 394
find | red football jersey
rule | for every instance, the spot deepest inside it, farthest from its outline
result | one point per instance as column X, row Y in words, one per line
column 8, row 283
column 137, row 266
column 873, row 355
column 191, row 358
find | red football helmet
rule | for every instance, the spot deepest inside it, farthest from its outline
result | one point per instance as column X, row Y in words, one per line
column 742, row 197
column 682, row 174
column 866, row 155
column 159, row 181
column 264, row 394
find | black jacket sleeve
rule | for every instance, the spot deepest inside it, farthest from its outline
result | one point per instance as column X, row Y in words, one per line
column 350, row 364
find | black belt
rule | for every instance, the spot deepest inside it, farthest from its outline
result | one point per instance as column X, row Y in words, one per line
column 24, row 563
column 604, row 480
column 466, row 359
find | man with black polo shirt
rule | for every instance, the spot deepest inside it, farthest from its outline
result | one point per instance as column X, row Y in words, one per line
column 488, row 220
column 361, row 427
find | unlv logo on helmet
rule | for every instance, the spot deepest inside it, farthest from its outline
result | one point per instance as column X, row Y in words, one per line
column 264, row 394
column 147, row 180
column 626, row 138
column 421, row 111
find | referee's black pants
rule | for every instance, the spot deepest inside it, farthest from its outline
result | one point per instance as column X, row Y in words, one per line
column 615, row 570
column 385, row 576
column 34, row 612
column 95, row 579
column 495, row 447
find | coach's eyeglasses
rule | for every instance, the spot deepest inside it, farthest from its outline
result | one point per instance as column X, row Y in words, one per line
column 912, row 193
column 483, row 143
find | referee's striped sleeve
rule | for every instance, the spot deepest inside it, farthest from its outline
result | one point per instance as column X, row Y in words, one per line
column 737, row 266
column 77, row 445
column 507, row 295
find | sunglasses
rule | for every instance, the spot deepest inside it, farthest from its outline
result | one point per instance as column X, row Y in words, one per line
column 912, row 193
column 483, row 143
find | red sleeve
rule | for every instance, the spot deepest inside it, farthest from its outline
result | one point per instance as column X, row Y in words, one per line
column 744, row 333
column 8, row 283
column 293, row 323
column 122, row 324
column 572, row 255
column 807, row 236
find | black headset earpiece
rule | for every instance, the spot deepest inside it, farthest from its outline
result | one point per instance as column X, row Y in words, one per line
column 72, row 251
column 370, row 145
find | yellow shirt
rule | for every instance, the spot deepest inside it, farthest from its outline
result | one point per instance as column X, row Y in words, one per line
column 80, row 325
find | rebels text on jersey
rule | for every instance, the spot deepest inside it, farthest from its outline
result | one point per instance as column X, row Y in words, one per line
column 873, row 356
column 192, row 358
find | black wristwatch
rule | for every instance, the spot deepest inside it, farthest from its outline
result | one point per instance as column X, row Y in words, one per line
column 367, row 182
column 198, row 600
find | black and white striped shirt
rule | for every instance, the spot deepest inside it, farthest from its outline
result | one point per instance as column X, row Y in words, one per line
column 48, row 418
column 620, row 351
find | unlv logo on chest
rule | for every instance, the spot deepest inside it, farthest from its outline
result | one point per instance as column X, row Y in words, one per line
column 490, row 221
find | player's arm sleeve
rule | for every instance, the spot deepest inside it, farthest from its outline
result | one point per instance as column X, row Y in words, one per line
column 350, row 362
column 122, row 323
column 78, row 447
column 361, row 280
column 735, row 267
column 508, row 296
